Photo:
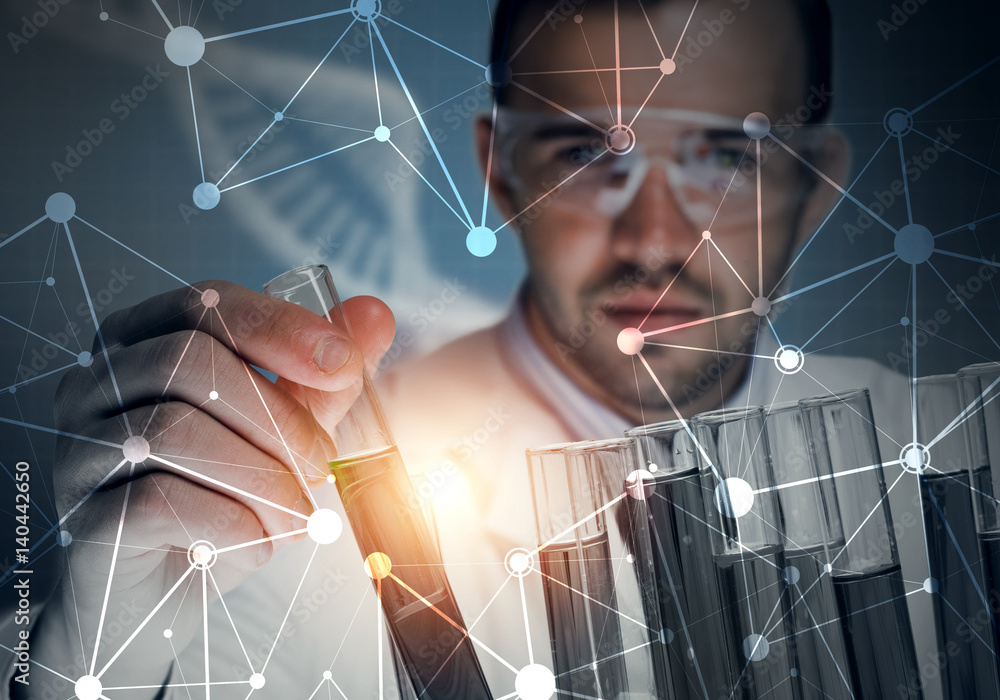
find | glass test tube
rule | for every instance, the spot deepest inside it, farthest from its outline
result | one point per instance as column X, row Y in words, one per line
column 597, row 570
column 866, row 573
column 980, row 391
column 386, row 519
column 746, row 528
column 952, row 542
column 684, row 570
column 807, row 501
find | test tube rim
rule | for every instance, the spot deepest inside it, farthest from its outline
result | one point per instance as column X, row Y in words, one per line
column 844, row 396
column 721, row 416
column 658, row 428
column 321, row 268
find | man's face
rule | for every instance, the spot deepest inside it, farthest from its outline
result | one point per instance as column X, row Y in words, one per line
column 595, row 270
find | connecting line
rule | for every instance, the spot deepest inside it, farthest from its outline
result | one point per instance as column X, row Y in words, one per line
column 577, row 524
column 318, row 66
column 244, row 154
column 163, row 14
column 957, row 153
column 726, row 260
column 423, row 125
column 715, row 351
column 295, row 165
column 134, row 252
column 194, row 116
column 97, row 326
column 760, row 230
column 593, row 63
column 204, row 624
column 889, row 437
column 989, row 263
column 603, row 605
column 906, row 180
column 825, row 477
column 433, row 188
column 957, row 296
column 618, row 66
column 833, row 184
column 684, row 31
column 562, row 109
column 527, row 629
column 699, row 322
column 291, row 604
column 50, row 670
column 531, row 36
column 958, row 614
column 646, row 101
column 378, row 97
column 41, row 337
column 111, row 572
column 378, row 634
column 149, row 617
column 426, row 38
column 22, row 231
column 170, row 379
column 867, row 518
column 966, row 413
column 955, row 85
column 833, row 210
column 834, row 278
column 275, row 26
column 489, row 161
column 652, row 32
column 848, row 304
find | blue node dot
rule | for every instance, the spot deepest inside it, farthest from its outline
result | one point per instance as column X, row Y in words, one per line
column 791, row 575
column 51, row 281
column 931, row 585
column 85, row 359
column 278, row 116
column 905, row 321
column 972, row 227
column 12, row 389
column 914, row 244
column 103, row 16
column 666, row 635
column 60, row 207
column 382, row 133
column 481, row 241
column 898, row 122
column 793, row 672
column 64, row 538
column 206, row 196
column 498, row 74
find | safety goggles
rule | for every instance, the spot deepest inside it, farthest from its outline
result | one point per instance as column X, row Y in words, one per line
column 585, row 162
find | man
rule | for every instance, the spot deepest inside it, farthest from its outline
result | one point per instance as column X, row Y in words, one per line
column 615, row 179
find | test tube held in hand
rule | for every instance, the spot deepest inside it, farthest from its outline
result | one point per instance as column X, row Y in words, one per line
column 391, row 532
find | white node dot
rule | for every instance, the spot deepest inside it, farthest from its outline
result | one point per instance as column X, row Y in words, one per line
column 518, row 562
column 757, row 125
column 706, row 235
column 327, row 675
column 103, row 16
column 168, row 633
column 136, row 449
column 257, row 681
column 278, row 116
column 12, row 389
column 88, row 688
column 630, row 341
column 755, row 647
column 828, row 569
column 630, row 558
column 733, row 497
column 210, row 298
column 620, row 139
column 535, row 682
column 789, row 359
column 791, row 575
column 213, row 395
column 931, row 585
column 915, row 458
column 184, row 46
column 378, row 565
column 481, row 241
column 382, row 133
column 51, row 281
column 202, row 555
column 761, row 306
column 64, row 539
column 668, row 66
column 914, row 244
column 330, row 478
column 640, row 484
column 898, row 122
column 578, row 19
column 793, row 672
column 652, row 468
column 666, row 635
column 60, row 207
column 85, row 359
column 206, row 196
column 324, row 526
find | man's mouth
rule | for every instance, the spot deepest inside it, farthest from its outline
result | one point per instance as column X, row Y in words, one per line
column 646, row 314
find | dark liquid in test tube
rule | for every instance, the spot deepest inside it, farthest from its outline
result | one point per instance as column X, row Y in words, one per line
column 377, row 495
column 568, row 572
column 953, row 546
column 755, row 602
column 989, row 543
column 824, row 670
column 878, row 634
column 687, row 588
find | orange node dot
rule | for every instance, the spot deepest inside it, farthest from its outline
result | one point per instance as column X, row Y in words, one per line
column 378, row 565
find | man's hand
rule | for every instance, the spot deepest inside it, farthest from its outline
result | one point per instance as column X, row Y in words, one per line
column 231, row 458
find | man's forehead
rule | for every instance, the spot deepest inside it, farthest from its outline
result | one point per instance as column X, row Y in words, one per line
column 728, row 61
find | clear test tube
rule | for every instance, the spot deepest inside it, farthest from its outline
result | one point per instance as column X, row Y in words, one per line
column 684, row 569
column 808, row 501
column 596, row 566
column 866, row 573
column 747, row 534
column 942, row 455
column 980, row 391
column 388, row 524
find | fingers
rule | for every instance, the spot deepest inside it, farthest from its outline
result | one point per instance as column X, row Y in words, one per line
column 286, row 339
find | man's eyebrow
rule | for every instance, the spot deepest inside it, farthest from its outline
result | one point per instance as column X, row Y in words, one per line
column 726, row 134
column 564, row 129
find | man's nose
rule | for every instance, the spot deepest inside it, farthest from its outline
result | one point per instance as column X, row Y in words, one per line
column 654, row 221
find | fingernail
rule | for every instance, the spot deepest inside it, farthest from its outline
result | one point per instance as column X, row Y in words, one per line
column 264, row 552
column 332, row 354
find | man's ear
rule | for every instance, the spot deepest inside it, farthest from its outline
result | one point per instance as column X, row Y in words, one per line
column 833, row 159
column 503, row 197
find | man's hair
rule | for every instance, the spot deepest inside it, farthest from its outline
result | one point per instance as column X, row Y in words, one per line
column 814, row 19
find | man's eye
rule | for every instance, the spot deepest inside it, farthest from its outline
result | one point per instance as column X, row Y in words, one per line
column 722, row 156
column 578, row 153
